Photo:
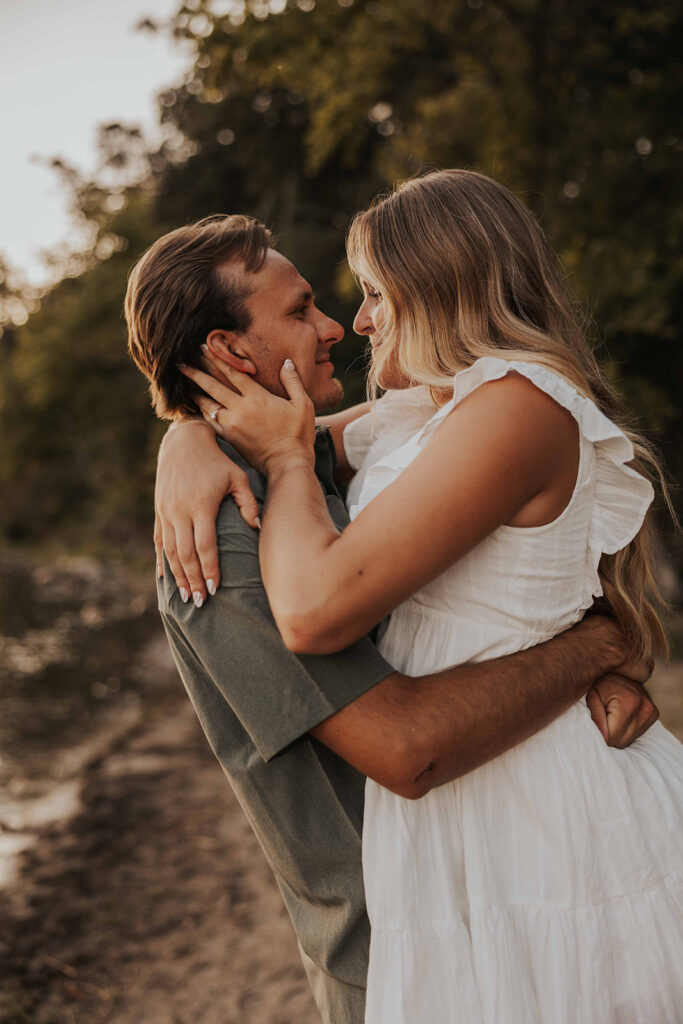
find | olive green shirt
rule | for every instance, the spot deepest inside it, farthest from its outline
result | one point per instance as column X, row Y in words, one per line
column 256, row 702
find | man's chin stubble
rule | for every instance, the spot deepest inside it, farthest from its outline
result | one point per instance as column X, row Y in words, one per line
column 330, row 397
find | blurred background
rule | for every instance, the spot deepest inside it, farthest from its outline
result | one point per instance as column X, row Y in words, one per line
column 131, row 887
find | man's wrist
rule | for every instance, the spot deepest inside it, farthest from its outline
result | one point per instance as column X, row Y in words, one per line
column 607, row 643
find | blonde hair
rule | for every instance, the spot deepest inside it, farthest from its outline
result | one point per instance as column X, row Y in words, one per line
column 465, row 272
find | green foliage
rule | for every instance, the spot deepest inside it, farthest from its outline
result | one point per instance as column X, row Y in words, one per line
column 299, row 113
column 73, row 408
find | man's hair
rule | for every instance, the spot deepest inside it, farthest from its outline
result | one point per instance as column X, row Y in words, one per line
column 176, row 297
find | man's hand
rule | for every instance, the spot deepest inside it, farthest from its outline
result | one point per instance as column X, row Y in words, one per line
column 193, row 478
column 621, row 709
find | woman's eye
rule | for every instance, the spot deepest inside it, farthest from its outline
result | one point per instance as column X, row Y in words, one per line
column 374, row 295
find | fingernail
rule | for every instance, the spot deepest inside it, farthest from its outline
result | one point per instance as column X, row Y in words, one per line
column 211, row 587
column 205, row 349
column 160, row 571
column 288, row 364
column 198, row 599
column 184, row 595
column 258, row 523
column 182, row 366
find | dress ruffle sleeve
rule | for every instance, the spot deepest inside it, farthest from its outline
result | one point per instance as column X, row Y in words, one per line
column 622, row 496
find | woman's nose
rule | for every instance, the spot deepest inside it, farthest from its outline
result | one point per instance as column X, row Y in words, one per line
column 362, row 323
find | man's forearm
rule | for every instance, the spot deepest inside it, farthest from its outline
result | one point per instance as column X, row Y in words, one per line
column 476, row 712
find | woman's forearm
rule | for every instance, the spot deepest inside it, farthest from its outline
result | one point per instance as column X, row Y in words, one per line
column 296, row 535
column 486, row 462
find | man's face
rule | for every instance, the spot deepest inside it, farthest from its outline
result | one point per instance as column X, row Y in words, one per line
column 286, row 324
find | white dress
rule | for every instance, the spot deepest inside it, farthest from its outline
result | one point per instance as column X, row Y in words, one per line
column 545, row 887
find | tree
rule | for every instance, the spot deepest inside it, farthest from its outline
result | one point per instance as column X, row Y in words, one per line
column 300, row 112
column 301, row 116
column 79, row 457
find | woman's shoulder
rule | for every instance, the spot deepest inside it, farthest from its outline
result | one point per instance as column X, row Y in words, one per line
column 514, row 387
column 521, row 377
column 517, row 395
column 520, row 381
column 620, row 495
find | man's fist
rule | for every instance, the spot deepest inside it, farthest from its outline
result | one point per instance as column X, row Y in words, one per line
column 621, row 709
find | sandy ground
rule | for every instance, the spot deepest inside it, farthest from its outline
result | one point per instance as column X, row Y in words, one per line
column 153, row 905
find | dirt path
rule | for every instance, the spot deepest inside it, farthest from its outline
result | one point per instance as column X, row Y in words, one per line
column 153, row 905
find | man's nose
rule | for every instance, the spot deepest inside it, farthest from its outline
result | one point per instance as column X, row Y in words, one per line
column 329, row 330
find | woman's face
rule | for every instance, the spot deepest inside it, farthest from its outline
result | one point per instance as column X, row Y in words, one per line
column 370, row 321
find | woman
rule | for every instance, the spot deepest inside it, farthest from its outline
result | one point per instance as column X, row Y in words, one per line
column 493, row 500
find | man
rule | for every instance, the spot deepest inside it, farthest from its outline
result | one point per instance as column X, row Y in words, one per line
column 296, row 734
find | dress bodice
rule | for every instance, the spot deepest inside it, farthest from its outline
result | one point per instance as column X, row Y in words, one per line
column 520, row 585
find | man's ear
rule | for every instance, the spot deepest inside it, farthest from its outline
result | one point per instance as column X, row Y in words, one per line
column 229, row 346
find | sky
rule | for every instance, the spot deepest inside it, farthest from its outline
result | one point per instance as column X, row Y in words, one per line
column 65, row 67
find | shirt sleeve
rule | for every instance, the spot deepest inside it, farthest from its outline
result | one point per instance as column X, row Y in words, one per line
column 277, row 696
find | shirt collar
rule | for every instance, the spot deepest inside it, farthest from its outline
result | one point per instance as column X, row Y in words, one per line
column 325, row 459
